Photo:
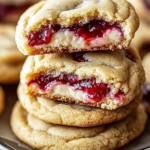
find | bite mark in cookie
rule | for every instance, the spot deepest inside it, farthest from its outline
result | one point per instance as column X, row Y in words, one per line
column 92, row 91
column 75, row 26
column 98, row 79
column 92, row 34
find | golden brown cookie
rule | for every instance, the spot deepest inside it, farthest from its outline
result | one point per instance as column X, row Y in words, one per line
column 9, row 73
column 1, row 100
column 106, row 79
column 10, row 10
column 71, row 114
column 9, row 52
column 45, row 136
column 76, row 25
column 142, row 7
column 142, row 39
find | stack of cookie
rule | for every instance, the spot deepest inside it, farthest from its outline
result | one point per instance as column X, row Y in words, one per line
column 75, row 89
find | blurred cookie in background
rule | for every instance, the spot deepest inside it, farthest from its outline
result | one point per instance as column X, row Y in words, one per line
column 11, row 10
column 9, row 73
column 9, row 52
column 142, row 39
column 1, row 99
column 11, row 60
column 146, row 86
column 142, row 7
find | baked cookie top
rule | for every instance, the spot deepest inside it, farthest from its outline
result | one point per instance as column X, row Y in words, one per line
column 121, row 71
column 67, row 14
column 9, row 52
column 1, row 99
column 71, row 114
column 41, row 135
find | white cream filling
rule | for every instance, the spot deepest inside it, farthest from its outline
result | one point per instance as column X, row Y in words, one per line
column 67, row 38
column 64, row 90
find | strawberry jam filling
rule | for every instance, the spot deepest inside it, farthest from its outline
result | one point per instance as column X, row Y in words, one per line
column 79, row 56
column 90, row 31
column 6, row 9
column 94, row 91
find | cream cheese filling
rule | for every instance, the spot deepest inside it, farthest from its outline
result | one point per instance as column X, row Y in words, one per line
column 67, row 38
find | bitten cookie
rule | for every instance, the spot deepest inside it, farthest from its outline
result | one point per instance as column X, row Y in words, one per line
column 1, row 100
column 71, row 114
column 45, row 136
column 9, row 52
column 142, row 7
column 142, row 39
column 146, row 86
column 106, row 79
column 9, row 73
column 10, row 10
column 76, row 25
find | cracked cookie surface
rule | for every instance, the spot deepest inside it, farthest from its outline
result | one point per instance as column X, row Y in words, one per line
column 71, row 114
column 59, row 27
column 75, row 78
column 45, row 136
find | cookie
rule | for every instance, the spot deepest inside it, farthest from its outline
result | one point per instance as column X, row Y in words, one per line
column 1, row 100
column 106, row 79
column 10, row 10
column 9, row 52
column 45, row 136
column 71, row 114
column 75, row 26
column 142, row 7
column 9, row 73
column 142, row 39
column 146, row 86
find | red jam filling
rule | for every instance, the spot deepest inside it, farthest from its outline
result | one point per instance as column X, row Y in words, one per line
column 90, row 31
column 95, row 91
column 8, row 8
column 79, row 56
column 130, row 56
